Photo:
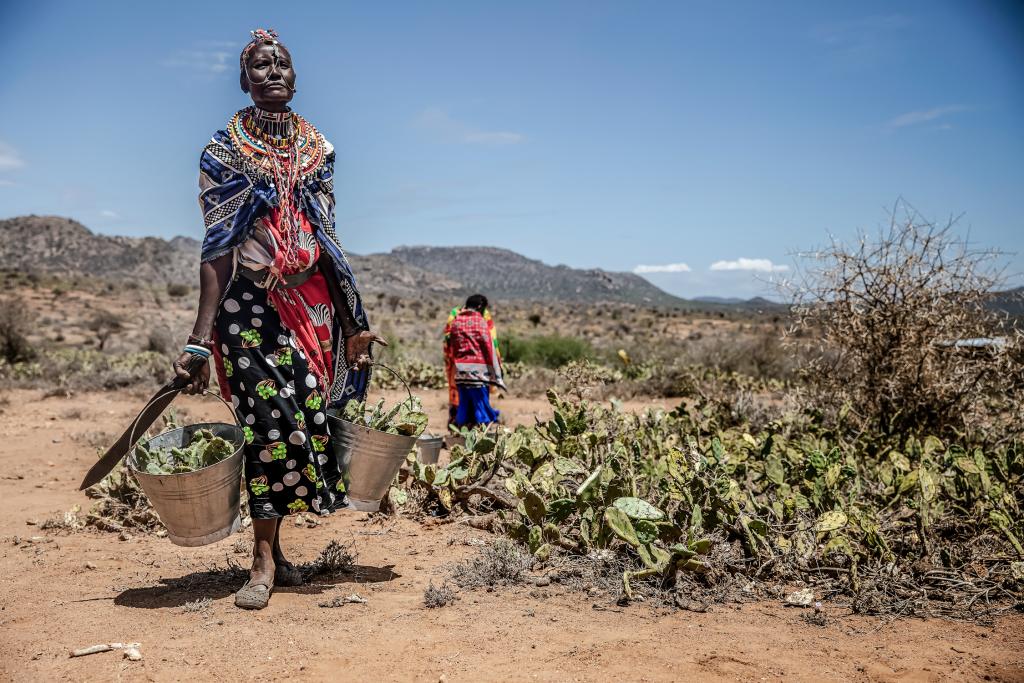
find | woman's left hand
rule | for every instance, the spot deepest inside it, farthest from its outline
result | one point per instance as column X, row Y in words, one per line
column 357, row 349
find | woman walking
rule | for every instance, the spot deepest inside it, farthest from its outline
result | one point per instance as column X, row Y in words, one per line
column 472, row 363
column 279, row 309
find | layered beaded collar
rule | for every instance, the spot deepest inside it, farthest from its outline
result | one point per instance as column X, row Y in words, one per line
column 299, row 142
column 275, row 128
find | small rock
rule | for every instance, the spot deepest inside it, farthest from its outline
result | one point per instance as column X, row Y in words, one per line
column 132, row 654
column 32, row 522
column 801, row 598
column 162, row 533
column 418, row 567
column 541, row 581
column 125, row 536
column 90, row 565
column 56, row 439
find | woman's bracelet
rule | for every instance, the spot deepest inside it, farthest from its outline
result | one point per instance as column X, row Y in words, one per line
column 197, row 350
column 199, row 341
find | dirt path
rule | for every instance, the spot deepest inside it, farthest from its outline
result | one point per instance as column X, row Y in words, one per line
column 70, row 591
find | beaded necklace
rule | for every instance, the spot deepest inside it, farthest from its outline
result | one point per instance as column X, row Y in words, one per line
column 274, row 128
column 278, row 144
column 258, row 152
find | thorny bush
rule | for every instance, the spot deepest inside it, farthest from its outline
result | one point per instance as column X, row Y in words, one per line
column 898, row 333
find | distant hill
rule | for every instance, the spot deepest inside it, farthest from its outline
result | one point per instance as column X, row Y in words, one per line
column 1011, row 301
column 62, row 246
column 504, row 274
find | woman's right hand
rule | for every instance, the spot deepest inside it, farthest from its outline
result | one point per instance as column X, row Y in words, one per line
column 198, row 379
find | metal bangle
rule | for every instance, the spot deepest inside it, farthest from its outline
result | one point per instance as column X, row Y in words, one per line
column 199, row 341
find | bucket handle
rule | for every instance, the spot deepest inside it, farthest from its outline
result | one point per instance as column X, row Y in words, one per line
column 131, row 439
column 400, row 378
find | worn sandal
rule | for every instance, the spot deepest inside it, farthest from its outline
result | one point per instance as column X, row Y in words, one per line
column 288, row 575
column 253, row 596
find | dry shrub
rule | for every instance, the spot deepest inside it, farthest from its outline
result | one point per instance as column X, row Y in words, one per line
column 885, row 322
column 438, row 596
column 336, row 558
column 15, row 323
column 104, row 324
column 176, row 289
column 499, row 564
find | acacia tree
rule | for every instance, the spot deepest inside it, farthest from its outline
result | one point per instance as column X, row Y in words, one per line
column 898, row 331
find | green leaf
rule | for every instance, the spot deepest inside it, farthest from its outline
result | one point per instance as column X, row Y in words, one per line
column 717, row 449
column 619, row 523
column 965, row 463
column 774, row 470
column 646, row 531
column 535, row 507
column 566, row 466
column 441, row 477
column 830, row 521
column 899, row 461
column 696, row 521
column 561, row 509
column 638, row 509
column 928, row 484
column 484, row 446
column 535, row 539
column 397, row 496
column 702, row 546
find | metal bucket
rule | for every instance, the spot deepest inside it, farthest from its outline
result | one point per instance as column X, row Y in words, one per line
column 429, row 447
column 369, row 458
column 197, row 507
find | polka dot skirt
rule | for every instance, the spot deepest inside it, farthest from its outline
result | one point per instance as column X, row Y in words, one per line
column 289, row 465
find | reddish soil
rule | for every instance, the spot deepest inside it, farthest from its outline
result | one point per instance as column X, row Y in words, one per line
column 67, row 591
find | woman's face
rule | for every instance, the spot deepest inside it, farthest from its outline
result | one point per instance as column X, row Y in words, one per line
column 270, row 76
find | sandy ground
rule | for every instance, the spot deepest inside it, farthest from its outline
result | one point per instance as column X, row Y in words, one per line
column 63, row 592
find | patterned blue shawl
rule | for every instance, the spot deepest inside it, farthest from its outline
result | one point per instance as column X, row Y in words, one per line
column 234, row 194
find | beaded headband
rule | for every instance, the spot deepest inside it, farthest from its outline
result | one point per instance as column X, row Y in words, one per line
column 259, row 37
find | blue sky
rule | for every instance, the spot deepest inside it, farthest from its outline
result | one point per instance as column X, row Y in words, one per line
column 707, row 141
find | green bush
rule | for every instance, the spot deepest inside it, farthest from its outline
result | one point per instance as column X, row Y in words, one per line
column 548, row 352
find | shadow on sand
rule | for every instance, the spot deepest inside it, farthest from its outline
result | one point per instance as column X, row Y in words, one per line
column 220, row 583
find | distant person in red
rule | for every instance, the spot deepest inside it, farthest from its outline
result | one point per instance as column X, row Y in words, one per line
column 472, row 363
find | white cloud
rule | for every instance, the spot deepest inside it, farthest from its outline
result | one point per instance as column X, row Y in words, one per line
column 210, row 57
column 107, row 213
column 912, row 118
column 445, row 128
column 760, row 265
column 9, row 157
column 666, row 268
